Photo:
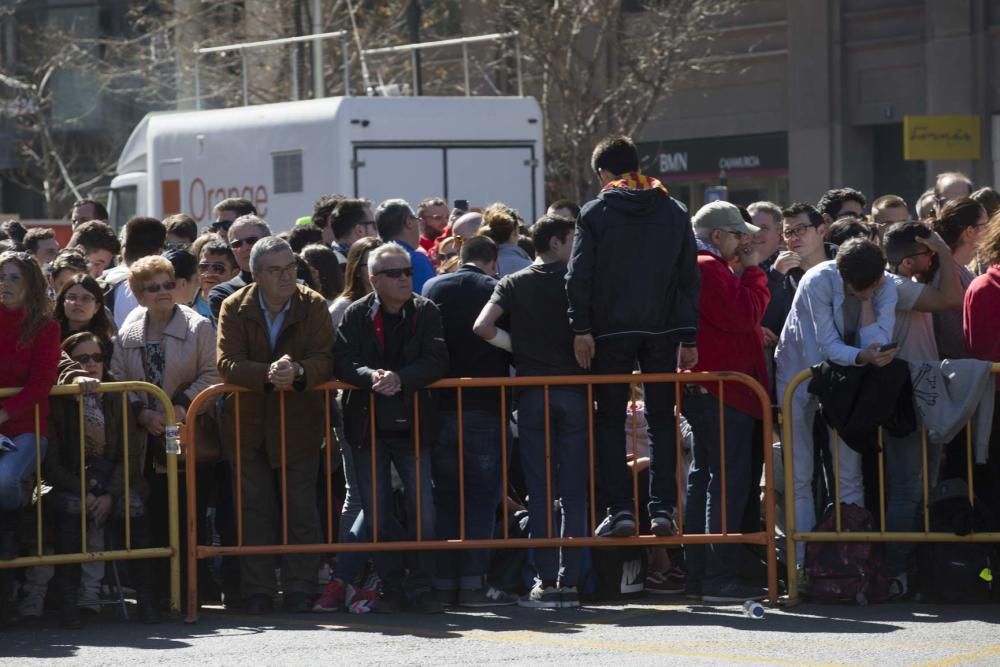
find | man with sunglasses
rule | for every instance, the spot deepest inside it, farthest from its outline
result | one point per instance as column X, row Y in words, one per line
column 390, row 344
column 244, row 233
column 910, row 248
column 216, row 265
column 227, row 211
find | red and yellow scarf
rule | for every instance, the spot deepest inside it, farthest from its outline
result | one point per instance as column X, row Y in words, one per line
column 635, row 181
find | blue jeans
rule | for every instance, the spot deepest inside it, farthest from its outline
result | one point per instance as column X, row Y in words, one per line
column 352, row 522
column 483, row 490
column 717, row 564
column 397, row 449
column 654, row 354
column 904, row 473
column 569, row 468
column 15, row 467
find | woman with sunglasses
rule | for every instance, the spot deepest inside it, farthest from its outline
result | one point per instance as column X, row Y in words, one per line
column 29, row 355
column 104, row 467
column 172, row 347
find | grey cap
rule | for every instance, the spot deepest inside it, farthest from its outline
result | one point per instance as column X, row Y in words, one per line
column 722, row 215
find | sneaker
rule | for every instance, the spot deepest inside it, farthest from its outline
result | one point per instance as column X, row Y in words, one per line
column 332, row 598
column 568, row 597
column 32, row 606
column 89, row 601
column 671, row 582
column 619, row 524
column 541, row 597
column 897, row 588
column 362, row 600
column 733, row 592
column 663, row 525
column 485, row 597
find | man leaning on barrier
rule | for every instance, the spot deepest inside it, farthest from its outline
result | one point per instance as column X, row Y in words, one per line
column 276, row 339
column 391, row 344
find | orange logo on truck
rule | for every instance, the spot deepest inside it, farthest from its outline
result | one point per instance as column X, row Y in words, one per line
column 202, row 200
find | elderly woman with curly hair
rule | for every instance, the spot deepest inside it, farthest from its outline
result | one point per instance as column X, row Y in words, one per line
column 29, row 356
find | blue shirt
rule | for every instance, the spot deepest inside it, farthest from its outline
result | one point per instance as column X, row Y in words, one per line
column 422, row 269
column 273, row 326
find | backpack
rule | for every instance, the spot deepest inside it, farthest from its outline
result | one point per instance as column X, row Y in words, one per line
column 845, row 571
column 617, row 573
column 957, row 572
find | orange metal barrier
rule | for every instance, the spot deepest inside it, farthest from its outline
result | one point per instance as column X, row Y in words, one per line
column 196, row 552
column 172, row 551
column 883, row 535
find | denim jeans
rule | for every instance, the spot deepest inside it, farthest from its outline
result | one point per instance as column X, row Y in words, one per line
column 569, row 474
column 654, row 354
column 16, row 466
column 352, row 523
column 397, row 449
column 483, row 490
column 717, row 564
column 904, row 472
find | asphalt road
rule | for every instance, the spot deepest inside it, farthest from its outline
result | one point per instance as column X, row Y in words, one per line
column 648, row 632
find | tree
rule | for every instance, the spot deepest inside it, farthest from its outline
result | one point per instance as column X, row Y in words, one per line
column 603, row 66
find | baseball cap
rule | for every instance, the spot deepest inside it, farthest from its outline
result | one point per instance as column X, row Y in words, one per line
column 722, row 215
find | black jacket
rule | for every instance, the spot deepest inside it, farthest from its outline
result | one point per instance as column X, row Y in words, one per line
column 856, row 400
column 634, row 269
column 223, row 291
column 358, row 353
column 460, row 296
column 782, row 288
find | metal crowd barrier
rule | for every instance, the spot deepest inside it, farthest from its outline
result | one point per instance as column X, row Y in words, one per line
column 172, row 551
column 881, row 535
column 196, row 552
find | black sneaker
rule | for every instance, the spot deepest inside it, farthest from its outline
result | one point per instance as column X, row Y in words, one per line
column 663, row 525
column 732, row 592
column 671, row 582
column 488, row 596
column 619, row 524
column 569, row 597
column 541, row 597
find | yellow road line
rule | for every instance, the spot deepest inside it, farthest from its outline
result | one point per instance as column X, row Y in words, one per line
column 986, row 652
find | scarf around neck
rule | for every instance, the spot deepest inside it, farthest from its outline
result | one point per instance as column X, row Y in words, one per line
column 633, row 180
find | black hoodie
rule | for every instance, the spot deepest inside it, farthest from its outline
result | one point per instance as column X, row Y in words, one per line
column 634, row 267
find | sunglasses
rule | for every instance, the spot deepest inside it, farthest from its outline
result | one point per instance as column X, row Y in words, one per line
column 156, row 287
column 225, row 225
column 211, row 267
column 238, row 243
column 177, row 245
column 396, row 273
column 88, row 358
column 79, row 298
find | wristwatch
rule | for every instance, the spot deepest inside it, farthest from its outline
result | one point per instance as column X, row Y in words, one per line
column 301, row 372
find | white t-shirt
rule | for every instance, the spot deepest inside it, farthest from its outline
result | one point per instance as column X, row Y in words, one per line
column 914, row 331
column 125, row 303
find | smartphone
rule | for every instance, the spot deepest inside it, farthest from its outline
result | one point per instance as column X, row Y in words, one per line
column 888, row 346
column 462, row 204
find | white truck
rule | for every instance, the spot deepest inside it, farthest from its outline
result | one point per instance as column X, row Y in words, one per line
column 284, row 156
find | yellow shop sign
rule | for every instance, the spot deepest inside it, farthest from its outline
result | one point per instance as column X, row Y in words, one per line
column 941, row 138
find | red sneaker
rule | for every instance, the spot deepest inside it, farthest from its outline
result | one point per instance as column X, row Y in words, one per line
column 332, row 598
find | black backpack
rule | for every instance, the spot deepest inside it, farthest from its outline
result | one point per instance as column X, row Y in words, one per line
column 846, row 571
column 957, row 572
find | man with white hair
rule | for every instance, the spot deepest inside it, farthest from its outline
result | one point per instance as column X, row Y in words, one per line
column 390, row 344
column 276, row 339
column 245, row 231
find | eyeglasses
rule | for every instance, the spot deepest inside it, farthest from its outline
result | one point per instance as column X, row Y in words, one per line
column 177, row 245
column 156, row 287
column 739, row 235
column 276, row 271
column 796, row 232
column 79, row 298
column 236, row 244
column 224, row 225
column 396, row 273
column 211, row 267
column 88, row 358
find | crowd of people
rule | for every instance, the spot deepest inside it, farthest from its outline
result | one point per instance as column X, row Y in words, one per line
column 389, row 300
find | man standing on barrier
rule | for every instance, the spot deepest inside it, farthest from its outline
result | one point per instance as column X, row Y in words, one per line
column 734, row 296
column 391, row 343
column 276, row 339
column 633, row 298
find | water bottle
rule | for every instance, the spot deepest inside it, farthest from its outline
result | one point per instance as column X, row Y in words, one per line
column 172, row 436
column 753, row 609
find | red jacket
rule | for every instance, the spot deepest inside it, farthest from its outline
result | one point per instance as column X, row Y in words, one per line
column 981, row 317
column 32, row 367
column 729, row 337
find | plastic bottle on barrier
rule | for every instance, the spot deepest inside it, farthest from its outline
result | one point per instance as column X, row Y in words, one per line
column 172, row 437
column 753, row 609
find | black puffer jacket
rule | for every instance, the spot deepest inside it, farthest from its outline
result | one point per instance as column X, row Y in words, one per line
column 634, row 269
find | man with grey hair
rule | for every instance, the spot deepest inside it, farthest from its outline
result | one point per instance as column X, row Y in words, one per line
column 245, row 231
column 395, row 222
column 276, row 339
column 390, row 344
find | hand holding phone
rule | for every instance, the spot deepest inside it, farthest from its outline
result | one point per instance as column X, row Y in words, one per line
column 462, row 204
column 889, row 346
